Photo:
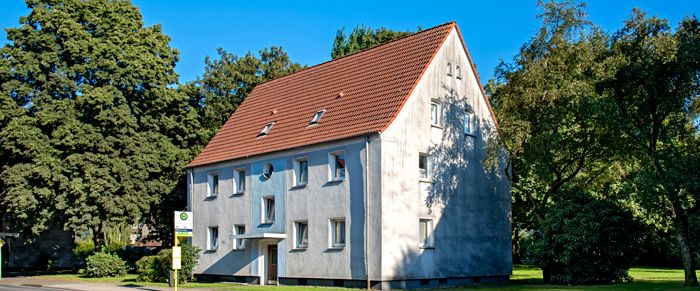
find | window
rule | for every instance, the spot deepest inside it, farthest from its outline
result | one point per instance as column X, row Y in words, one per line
column 426, row 233
column 337, row 233
column 434, row 114
column 239, row 181
column 449, row 68
column 337, row 165
column 239, row 243
column 458, row 71
column 213, row 185
column 268, row 210
column 424, row 166
column 267, row 171
column 266, row 129
column 468, row 123
column 213, row 239
column 301, row 172
column 317, row 117
column 302, row 235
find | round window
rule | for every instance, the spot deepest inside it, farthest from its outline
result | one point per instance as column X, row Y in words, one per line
column 267, row 171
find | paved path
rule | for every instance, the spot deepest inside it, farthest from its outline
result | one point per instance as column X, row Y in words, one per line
column 34, row 283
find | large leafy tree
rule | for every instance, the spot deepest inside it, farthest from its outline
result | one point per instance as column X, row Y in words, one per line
column 93, row 133
column 654, row 89
column 361, row 38
column 553, row 121
column 229, row 79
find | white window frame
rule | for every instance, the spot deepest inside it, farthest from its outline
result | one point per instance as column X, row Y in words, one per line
column 438, row 117
column 263, row 210
column 449, row 69
column 428, row 165
column 212, row 242
column 297, row 172
column 468, row 123
column 213, row 190
column 239, row 243
column 266, row 129
column 332, row 166
column 458, row 71
column 239, row 181
column 333, row 233
column 298, row 244
column 427, row 241
column 317, row 117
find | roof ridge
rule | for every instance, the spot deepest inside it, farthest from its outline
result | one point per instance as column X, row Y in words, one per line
column 452, row 22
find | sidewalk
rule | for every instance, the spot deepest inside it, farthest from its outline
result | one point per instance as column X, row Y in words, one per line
column 76, row 285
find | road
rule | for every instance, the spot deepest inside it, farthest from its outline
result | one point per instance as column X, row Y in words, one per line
column 27, row 288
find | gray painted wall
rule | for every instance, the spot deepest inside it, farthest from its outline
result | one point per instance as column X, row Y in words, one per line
column 469, row 205
column 315, row 203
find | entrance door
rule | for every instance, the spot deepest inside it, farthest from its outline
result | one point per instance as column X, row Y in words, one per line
column 272, row 264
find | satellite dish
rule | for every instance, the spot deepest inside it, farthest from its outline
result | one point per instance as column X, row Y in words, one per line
column 267, row 171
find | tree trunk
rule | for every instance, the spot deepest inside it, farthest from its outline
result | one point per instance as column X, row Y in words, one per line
column 547, row 275
column 691, row 279
column 516, row 246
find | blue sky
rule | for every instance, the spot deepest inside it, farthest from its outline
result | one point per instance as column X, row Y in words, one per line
column 493, row 30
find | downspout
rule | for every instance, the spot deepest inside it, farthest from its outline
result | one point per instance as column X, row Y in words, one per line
column 190, row 188
column 367, row 211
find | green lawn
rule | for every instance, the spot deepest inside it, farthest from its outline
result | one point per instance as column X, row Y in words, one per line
column 524, row 278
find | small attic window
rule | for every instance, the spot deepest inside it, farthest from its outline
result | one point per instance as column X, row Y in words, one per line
column 317, row 117
column 266, row 129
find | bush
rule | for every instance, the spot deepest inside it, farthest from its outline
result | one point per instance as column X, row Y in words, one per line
column 156, row 268
column 83, row 249
column 103, row 264
column 584, row 240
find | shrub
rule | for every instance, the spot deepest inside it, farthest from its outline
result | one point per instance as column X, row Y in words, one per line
column 82, row 250
column 156, row 268
column 151, row 269
column 584, row 240
column 103, row 264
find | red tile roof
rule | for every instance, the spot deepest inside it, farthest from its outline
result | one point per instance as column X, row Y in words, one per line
column 375, row 84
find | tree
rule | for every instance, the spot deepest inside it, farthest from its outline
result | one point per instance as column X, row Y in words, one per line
column 553, row 121
column 229, row 79
column 362, row 38
column 654, row 89
column 93, row 134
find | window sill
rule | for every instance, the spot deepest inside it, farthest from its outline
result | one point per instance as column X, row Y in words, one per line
column 336, row 180
column 436, row 126
column 299, row 249
column 425, row 180
column 211, row 197
column 335, row 248
column 267, row 223
column 237, row 193
column 209, row 251
column 299, row 186
column 427, row 247
column 238, row 249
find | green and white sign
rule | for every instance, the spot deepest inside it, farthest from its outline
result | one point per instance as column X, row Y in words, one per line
column 183, row 223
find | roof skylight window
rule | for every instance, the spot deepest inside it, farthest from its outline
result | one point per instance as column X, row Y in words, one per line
column 317, row 117
column 266, row 129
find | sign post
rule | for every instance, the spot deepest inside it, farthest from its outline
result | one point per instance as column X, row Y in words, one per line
column 183, row 228
column 2, row 243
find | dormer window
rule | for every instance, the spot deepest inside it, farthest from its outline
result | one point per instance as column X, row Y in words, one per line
column 317, row 117
column 266, row 129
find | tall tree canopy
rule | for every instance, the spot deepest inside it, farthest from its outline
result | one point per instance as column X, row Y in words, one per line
column 230, row 78
column 361, row 38
column 93, row 133
column 654, row 90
